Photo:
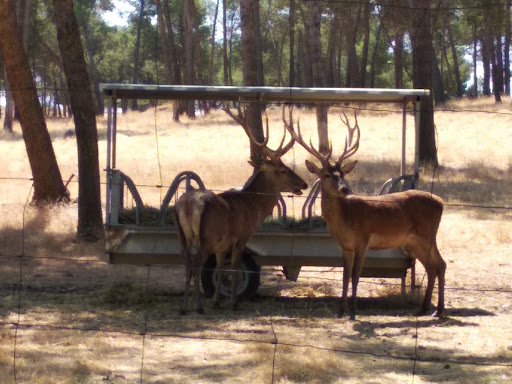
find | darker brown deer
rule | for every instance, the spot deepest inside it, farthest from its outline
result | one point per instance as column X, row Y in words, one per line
column 409, row 219
column 221, row 224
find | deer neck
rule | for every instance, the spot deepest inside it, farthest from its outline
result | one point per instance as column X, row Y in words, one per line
column 332, row 201
column 260, row 188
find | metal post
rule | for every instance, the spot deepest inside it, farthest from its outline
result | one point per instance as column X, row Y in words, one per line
column 417, row 124
column 404, row 133
column 108, row 168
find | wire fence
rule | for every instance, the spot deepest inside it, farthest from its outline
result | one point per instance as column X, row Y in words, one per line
column 22, row 315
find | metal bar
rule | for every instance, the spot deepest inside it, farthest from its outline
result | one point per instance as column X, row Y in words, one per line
column 263, row 94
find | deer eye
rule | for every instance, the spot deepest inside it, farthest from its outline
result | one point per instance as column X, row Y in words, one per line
column 327, row 175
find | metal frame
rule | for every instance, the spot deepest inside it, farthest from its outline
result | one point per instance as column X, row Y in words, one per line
column 260, row 94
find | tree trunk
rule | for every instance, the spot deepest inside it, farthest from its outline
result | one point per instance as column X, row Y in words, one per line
column 315, row 42
column 136, row 51
column 100, row 107
column 437, row 80
column 495, row 76
column 475, row 56
column 506, row 50
column 374, row 56
column 175, row 67
column 498, row 62
column 48, row 184
column 486, row 60
column 251, row 42
column 164, row 41
column 399, row 58
column 90, row 224
column 366, row 42
column 212, row 46
column 189, row 79
column 352, row 20
column 456, row 70
column 9, row 105
column 291, row 20
column 421, row 38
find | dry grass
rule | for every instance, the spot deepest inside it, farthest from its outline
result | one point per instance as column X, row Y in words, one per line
column 82, row 320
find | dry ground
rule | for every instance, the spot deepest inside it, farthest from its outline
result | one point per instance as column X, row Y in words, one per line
column 67, row 316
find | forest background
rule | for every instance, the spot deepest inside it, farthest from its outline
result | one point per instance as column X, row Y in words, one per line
column 57, row 53
column 363, row 44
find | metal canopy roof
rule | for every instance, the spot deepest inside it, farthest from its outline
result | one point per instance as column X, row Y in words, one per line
column 263, row 94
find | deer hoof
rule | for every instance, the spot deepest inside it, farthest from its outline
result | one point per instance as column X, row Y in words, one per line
column 438, row 313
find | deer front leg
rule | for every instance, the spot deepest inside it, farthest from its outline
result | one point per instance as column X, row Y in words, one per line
column 235, row 267
column 356, row 273
column 348, row 260
column 219, row 269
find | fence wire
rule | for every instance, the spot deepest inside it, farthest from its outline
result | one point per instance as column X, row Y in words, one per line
column 311, row 275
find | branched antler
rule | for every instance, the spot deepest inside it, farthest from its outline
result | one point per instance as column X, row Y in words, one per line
column 262, row 147
column 324, row 158
column 350, row 147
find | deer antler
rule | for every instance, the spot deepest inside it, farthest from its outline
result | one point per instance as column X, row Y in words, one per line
column 350, row 147
column 324, row 158
column 262, row 147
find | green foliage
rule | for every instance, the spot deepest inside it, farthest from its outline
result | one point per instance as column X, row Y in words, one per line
column 112, row 47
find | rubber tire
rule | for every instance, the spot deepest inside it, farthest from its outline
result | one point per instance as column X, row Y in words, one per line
column 246, row 288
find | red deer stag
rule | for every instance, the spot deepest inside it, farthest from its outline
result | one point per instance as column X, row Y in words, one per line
column 221, row 224
column 409, row 219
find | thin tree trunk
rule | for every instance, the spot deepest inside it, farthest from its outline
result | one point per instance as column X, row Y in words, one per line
column 456, row 70
column 475, row 56
column 90, row 223
column 506, row 50
column 48, row 184
column 366, row 42
column 136, row 51
column 189, row 53
column 9, row 105
column 374, row 56
column 100, row 107
column 291, row 70
column 421, row 38
column 251, row 37
column 212, row 45
column 314, row 20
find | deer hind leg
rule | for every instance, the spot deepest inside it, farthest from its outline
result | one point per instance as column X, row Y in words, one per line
column 219, row 269
column 440, row 269
column 356, row 273
column 348, row 261
column 188, row 276
column 197, row 292
column 429, row 256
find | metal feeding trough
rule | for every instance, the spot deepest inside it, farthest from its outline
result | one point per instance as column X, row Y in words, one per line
column 281, row 245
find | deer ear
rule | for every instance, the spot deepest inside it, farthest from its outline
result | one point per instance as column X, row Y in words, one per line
column 312, row 167
column 349, row 167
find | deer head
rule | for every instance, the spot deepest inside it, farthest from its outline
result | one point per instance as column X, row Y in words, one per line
column 331, row 174
column 277, row 174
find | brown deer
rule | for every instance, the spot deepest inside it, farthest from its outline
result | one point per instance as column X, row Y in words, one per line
column 409, row 219
column 220, row 224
